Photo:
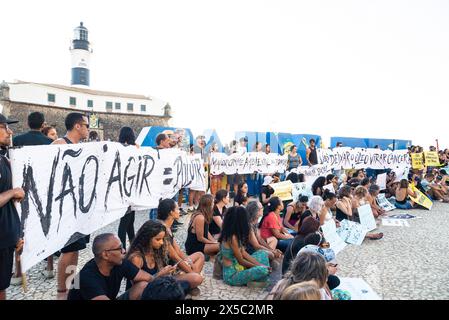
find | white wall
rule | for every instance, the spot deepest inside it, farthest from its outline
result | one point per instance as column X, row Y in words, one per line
column 35, row 93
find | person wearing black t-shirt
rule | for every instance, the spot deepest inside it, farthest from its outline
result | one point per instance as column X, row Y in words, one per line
column 101, row 277
column 9, row 218
column 77, row 125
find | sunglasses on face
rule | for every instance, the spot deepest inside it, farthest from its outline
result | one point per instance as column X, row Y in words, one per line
column 116, row 249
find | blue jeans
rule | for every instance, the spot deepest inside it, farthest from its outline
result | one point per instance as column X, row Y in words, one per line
column 283, row 244
column 405, row 206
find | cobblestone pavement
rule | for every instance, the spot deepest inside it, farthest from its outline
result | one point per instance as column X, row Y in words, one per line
column 408, row 263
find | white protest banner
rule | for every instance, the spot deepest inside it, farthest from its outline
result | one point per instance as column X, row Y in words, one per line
column 283, row 190
column 329, row 187
column 381, row 181
column 361, row 158
column 301, row 189
column 351, row 232
column 395, row 223
column 74, row 190
column 247, row 163
column 313, row 172
column 358, row 288
column 384, row 203
column 366, row 217
column 330, row 234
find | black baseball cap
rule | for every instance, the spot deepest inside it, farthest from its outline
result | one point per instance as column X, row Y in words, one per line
column 3, row 119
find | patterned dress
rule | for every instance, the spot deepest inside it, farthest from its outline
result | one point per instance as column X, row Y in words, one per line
column 237, row 275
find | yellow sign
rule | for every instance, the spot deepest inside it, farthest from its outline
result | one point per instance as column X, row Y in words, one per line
column 432, row 159
column 417, row 161
column 283, row 190
column 421, row 199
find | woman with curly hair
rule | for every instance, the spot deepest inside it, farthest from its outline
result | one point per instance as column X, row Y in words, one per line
column 239, row 267
column 149, row 251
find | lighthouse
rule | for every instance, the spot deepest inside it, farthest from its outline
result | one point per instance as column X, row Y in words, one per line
column 80, row 51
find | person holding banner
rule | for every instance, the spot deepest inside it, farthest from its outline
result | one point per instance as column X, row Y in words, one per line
column 271, row 224
column 10, row 241
column 359, row 199
column 77, row 125
column 373, row 192
column 311, row 154
column 294, row 159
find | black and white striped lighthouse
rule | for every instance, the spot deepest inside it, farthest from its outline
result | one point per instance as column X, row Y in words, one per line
column 80, row 51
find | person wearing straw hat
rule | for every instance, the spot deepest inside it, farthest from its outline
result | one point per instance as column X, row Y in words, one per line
column 10, row 241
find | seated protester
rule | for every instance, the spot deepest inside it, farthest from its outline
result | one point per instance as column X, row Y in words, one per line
column 435, row 188
column 366, row 183
column 317, row 186
column 315, row 205
column 373, row 191
column 163, row 288
column 392, row 185
column 267, row 191
column 294, row 212
column 199, row 238
column 329, row 255
column 305, row 267
column 242, row 195
column 255, row 241
column 101, row 277
column 301, row 177
column 293, row 177
column 402, row 193
column 239, row 267
column 307, row 290
column 359, row 174
column 221, row 201
column 332, row 178
column 344, row 204
column 330, row 199
column 271, row 224
column 149, row 252
column 359, row 199
column 309, row 226
column 167, row 213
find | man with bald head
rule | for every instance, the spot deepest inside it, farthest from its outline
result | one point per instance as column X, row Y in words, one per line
column 101, row 277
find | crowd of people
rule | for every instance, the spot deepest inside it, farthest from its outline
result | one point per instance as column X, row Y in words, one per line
column 248, row 236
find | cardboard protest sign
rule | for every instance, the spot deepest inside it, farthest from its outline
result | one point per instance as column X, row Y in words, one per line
column 421, row 199
column 381, row 181
column 384, row 203
column 283, row 190
column 366, row 217
column 330, row 234
column 395, row 223
column 313, row 172
column 417, row 161
column 358, row 288
column 352, row 232
column 74, row 190
column 301, row 189
column 431, row 159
